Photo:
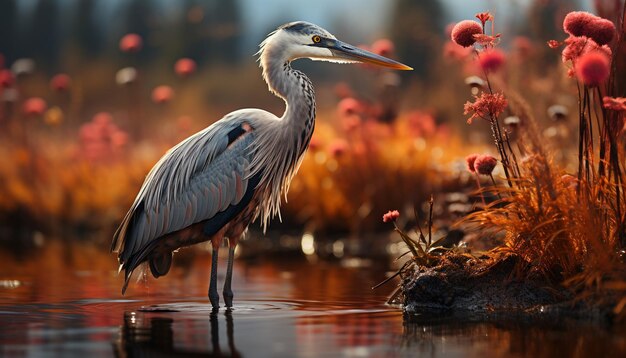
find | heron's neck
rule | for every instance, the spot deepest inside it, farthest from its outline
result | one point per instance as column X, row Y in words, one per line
column 295, row 89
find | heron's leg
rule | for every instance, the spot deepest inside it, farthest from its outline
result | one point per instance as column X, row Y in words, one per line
column 213, row 295
column 228, row 292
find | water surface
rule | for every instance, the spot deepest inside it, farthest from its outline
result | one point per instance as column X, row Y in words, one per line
column 66, row 301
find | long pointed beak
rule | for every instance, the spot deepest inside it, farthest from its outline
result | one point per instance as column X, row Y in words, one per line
column 346, row 51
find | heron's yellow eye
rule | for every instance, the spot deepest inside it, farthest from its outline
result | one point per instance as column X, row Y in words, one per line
column 317, row 39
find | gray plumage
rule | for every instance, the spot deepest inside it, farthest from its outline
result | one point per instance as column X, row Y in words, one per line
column 214, row 183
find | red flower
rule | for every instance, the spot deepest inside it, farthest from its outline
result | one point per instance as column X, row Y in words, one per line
column 162, row 94
column 601, row 31
column 485, row 105
column 593, row 68
column 614, row 103
column 464, row 31
column 60, row 83
column 471, row 160
column 131, row 43
column 6, row 78
column 485, row 164
column 576, row 23
column 185, row 67
column 34, row 106
column 383, row 47
column 391, row 215
column 484, row 17
column 491, row 60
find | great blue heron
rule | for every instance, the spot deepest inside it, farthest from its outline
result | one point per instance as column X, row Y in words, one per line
column 215, row 183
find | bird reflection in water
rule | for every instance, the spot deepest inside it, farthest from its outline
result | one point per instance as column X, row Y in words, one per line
column 151, row 334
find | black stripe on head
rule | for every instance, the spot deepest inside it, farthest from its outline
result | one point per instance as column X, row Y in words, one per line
column 301, row 27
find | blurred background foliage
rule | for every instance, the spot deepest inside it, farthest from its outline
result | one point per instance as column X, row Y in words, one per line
column 76, row 151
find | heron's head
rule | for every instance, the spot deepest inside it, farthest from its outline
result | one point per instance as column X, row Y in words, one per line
column 305, row 40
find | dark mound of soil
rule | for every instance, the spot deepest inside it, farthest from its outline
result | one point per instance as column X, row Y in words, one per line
column 465, row 283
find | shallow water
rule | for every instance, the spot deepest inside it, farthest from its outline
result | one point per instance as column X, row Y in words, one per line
column 66, row 301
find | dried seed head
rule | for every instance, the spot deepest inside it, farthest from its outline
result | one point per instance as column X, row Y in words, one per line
column 470, row 160
column 23, row 67
column 463, row 32
column 558, row 112
column 485, row 164
column 475, row 83
column 126, row 76
column 512, row 121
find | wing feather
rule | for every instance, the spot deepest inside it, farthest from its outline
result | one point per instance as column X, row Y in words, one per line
column 197, row 179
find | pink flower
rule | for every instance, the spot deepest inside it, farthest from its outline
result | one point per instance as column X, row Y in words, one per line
column 118, row 138
column 553, row 44
column 487, row 40
column 485, row 164
column 383, row 47
column 578, row 46
column 576, row 23
column 314, row 144
column 185, row 67
column 349, row 106
column 593, row 68
column 131, row 43
column 491, row 60
column 614, row 103
column 575, row 46
column 580, row 23
column 485, row 105
column 34, row 106
column 455, row 52
column 162, row 94
column 351, row 123
column 102, row 119
column 593, row 46
column 60, row 83
column 463, row 32
column 484, row 17
column 601, row 31
column 391, row 215
column 338, row 148
column 471, row 160
column 6, row 78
